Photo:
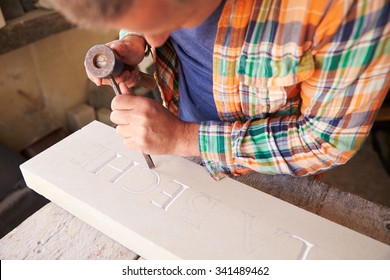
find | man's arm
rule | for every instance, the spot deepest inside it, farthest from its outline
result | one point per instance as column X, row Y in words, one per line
column 339, row 104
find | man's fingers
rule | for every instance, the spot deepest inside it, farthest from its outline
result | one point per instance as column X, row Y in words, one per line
column 124, row 89
column 95, row 80
column 131, row 78
column 124, row 130
column 124, row 102
column 117, row 47
column 121, row 117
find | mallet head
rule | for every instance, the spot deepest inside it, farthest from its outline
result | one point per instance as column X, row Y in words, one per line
column 102, row 62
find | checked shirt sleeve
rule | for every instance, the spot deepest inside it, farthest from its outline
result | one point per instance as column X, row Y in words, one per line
column 339, row 104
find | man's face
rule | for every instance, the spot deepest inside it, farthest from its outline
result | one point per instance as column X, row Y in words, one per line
column 158, row 19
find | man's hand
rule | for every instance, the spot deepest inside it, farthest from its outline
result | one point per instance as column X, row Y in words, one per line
column 148, row 127
column 131, row 51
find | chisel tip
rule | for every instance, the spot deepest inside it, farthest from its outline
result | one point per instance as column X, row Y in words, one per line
column 149, row 161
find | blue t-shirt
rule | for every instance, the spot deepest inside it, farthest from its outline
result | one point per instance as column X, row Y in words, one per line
column 194, row 47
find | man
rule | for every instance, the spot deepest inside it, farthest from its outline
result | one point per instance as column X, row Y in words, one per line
column 278, row 87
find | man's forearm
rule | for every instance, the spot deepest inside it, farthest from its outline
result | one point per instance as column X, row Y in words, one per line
column 188, row 144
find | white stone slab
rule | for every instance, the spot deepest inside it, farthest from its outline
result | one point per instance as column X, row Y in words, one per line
column 177, row 210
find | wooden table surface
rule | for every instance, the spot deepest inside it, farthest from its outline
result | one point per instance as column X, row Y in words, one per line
column 53, row 233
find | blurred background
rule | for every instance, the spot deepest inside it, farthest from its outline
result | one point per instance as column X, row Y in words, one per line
column 45, row 95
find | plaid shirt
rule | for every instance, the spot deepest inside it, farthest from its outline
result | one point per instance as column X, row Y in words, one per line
column 297, row 84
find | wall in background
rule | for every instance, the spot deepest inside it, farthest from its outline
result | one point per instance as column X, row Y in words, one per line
column 40, row 82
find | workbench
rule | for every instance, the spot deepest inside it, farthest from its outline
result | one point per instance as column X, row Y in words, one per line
column 53, row 233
